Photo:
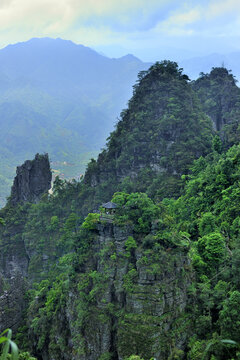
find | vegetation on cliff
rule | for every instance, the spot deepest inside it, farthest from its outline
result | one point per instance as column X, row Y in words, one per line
column 156, row 139
column 161, row 277
column 220, row 98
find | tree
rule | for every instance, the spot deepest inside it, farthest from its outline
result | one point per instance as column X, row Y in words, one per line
column 229, row 319
column 212, row 249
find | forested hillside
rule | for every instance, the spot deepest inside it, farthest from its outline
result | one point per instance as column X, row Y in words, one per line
column 158, row 277
column 157, row 138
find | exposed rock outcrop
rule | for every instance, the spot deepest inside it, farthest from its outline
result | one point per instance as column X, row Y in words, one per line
column 32, row 180
column 150, row 296
column 13, row 278
column 138, row 300
column 12, row 301
column 220, row 99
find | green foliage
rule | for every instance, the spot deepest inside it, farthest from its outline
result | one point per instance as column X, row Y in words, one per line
column 207, row 224
column 54, row 223
column 217, row 144
column 25, row 356
column 129, row 279
column 91, row 221
column 71, row 223
column 47, row 301
column 130, row 245
column 163, row 272
column 212, row 249
column 165, row 111
column 136, row 209
column 7, row 344
column 106, row 356
column 229, row 319
column 209, row 211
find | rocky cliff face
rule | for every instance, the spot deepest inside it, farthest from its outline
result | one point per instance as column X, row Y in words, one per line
column 12, row 302
column 13, row 270
column 149, row 295
column 119, row 302
column 32, row 180
column 220, row 98
column 13, row 274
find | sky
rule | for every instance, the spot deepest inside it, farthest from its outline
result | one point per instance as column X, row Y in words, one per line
column 149, row 29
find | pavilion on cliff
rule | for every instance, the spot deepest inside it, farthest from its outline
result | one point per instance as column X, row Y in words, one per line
column 109, row 208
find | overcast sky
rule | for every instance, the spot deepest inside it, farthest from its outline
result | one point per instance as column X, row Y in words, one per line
column 149, row 29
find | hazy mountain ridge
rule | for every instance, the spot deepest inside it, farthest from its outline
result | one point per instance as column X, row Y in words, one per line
column 194, row 66
column 66, row 98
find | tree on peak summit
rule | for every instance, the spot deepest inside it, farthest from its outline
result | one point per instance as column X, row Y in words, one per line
column 161, row 132
column 158, row 71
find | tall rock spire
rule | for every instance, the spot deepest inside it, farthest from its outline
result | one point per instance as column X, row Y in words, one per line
column 32, row 180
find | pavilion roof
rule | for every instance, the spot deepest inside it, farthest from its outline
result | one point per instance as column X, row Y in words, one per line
column 109, row 205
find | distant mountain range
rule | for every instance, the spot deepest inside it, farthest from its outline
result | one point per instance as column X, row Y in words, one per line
column 60, row 98
column 194, row 66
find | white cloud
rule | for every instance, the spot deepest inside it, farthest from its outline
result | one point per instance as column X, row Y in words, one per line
column 40, row 13
column 183, row 18
column 91, row 19
column 128, row 23
column 35, row 14
column 220, row 7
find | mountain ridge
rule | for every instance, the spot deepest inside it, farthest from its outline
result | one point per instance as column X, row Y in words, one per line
column 55, row 80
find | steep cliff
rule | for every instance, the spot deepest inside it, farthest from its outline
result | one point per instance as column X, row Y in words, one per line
column 220, row 98
column 32, row 180
column 13, row 268
column 121, row 296
column 157, row 138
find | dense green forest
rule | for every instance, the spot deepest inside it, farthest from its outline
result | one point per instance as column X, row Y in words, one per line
column 159, row 278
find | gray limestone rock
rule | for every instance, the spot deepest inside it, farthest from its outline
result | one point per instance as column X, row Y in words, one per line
column 32, row 180
column 145, row 313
